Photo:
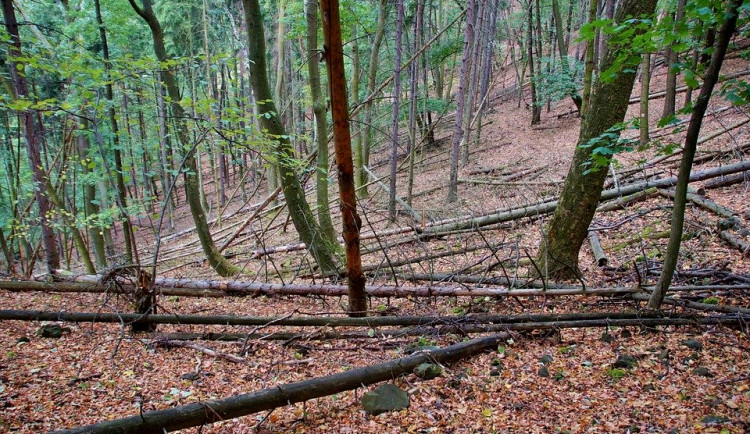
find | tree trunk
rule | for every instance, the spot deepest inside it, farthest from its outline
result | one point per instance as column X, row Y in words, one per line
column 192, row 189
column 127, row 230
column 458, row 130
column 672, row 57
column 588, row 74
column 321, row 125
column 563, row 49
column 691, row 140
column 26, row 120
column 396, row 99
column 645, row 84
column 413, row 93
column 342, row 138
column 372, row 75
column 91, row 205
column 558, row 253
column 186, row 416
column 300, row 212
column 535, row 107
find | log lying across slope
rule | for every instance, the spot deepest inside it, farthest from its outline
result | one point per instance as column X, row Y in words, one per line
column 311, row 321
column 548, row 207
column 211, row 411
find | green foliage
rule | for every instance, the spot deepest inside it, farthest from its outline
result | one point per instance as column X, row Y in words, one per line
column 557, row 83
column 606, row 145
column 616, row 373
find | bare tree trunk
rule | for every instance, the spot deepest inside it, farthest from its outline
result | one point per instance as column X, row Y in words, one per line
column 563, row 49
column 26, row 120
column 342, row 137
column 645, row 82
column 458, row 130
column 321, row 125
column 396, row 100
column 372, row 75
column 672, row 57
column 413, row 93
column 90, row 203
column 127, row 230
column 536, row 111
column 691, row 140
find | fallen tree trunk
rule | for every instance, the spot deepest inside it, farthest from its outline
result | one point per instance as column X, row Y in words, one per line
column 661, row 93
column 735, row 240
column 465, row 329
column 548, row 207
column 596, row 248
column 211, row 411
column 727, row 180
column 303, row 321
column 256, row 288
column 217, row 288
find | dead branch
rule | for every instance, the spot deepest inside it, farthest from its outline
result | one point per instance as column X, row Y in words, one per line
column 212, row 411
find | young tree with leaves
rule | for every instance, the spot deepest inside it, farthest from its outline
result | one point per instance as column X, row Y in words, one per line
column 724, row 34
column 192, row 189
column 302, row 217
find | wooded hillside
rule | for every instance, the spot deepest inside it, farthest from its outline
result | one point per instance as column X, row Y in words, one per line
column 528, row 215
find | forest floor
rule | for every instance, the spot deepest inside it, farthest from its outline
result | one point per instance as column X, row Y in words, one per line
column 102, row 371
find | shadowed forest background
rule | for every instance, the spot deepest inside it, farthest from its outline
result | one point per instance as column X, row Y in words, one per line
column 525, row 215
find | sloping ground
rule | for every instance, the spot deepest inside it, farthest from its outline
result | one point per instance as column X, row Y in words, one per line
column 96, row 372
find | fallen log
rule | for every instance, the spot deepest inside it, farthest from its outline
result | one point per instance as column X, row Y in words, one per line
column 203, row 288
column 211, row 411
column 700, row 306
column 258, row 288
column 661, row 93
column 596, row 248
column 622, row 202
column 466, row 329
column 727, row 180
column 485, row 280
column 548, row 207
column 736, row 241
column 312, row 321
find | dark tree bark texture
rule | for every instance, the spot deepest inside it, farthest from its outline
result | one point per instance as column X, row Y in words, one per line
column 558, row 253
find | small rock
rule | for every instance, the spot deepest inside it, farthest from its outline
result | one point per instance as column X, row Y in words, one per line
column 625, row 361
column 387, row 397
column 545, row 359
column 190, row 376
column 52, row 331
column 606, row 337
column 663, row 355
column 693, row 344
column 713, row 419
column 744, row 232
column 703, row 372
column 543, row 372
column 428, row 371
